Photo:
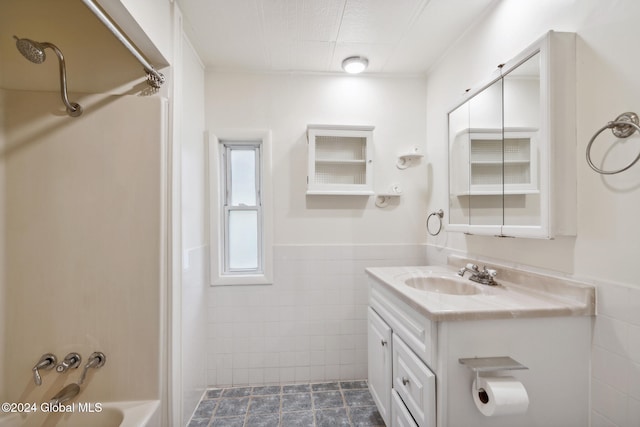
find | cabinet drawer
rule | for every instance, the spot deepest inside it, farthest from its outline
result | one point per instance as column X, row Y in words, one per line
column 418, row 332
column 415, row 383
column 400, row 416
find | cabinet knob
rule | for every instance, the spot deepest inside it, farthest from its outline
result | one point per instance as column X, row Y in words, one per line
column 383, row 342
column 405, row 380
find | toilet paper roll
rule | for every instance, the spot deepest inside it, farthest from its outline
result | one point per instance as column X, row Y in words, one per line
column 499, row 396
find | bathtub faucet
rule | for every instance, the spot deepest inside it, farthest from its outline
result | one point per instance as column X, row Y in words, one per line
column 47, row 361
column 96, row 360
column 66, row 394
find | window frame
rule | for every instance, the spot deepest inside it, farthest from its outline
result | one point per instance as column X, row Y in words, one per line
column 228, row 206
column 219, row 193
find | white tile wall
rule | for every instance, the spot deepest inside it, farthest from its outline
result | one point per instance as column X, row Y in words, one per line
column 194, row 291
column 615, row 387
column 310, row 325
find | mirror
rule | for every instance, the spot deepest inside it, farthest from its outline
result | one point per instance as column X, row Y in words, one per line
column 522, row 107
column 493, row 153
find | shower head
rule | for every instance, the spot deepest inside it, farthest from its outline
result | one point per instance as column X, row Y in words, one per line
column 34, row 52
column 31, row 50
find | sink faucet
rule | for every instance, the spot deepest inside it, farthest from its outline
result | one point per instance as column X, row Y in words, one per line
column 484, row 277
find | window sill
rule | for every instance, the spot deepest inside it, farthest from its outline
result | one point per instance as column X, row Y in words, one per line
column 249, row 279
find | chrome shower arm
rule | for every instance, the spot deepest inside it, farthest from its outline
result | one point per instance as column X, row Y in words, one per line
column 73, row 109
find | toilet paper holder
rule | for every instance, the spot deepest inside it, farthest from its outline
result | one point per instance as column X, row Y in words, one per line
column 480, row 365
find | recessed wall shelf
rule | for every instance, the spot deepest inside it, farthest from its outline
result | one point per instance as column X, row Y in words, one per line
column 405, row 160
column 340, row 160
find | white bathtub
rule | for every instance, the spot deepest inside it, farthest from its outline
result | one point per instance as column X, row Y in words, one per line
column 140, row 413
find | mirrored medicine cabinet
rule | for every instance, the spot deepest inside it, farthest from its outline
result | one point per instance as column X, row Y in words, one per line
column 512, row 143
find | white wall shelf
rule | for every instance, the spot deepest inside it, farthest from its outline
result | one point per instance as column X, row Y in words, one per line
column 340, row 160
column 383, row 199
column 406, row 160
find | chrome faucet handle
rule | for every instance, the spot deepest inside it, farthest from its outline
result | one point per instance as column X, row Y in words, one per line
column 46, row 362
column 72, row 360
column 490, row 272
column 96, row 360
column 473, row 268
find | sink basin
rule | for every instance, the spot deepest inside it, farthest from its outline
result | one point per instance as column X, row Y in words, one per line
column 443, row 285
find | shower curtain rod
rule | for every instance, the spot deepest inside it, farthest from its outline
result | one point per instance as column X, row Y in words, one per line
column 154, row 77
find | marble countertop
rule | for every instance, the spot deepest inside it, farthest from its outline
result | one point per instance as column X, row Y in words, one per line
column 519, row 294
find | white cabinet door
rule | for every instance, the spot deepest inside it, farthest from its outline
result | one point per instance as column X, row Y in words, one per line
column 380, row 362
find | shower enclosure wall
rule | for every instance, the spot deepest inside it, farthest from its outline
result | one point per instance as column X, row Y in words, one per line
column 83, row 236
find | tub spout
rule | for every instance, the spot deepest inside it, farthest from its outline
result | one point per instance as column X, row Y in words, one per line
column 66, row 394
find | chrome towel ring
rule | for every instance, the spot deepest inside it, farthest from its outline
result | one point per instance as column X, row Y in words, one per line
column 625, row 125
column 439, row 214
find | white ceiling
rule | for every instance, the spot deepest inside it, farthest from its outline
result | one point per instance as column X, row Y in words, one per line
column 397, row 36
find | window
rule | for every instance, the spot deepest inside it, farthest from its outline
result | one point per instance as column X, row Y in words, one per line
column 242, row 219
column 240, row 209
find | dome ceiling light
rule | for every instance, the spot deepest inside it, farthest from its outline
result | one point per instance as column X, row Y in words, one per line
column 355, row 64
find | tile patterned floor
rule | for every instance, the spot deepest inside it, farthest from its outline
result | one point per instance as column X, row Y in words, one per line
column 333, row 404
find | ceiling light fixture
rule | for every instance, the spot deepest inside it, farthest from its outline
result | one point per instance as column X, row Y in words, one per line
column 355, row 64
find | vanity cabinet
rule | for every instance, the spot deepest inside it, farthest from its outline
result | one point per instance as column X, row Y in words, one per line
column 512, row 147
column 340, row 160
column 430, row 332
column 400, row 345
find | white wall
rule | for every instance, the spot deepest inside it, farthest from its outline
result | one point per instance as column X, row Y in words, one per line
column 311, row 323
column 286, row 104
column 606, row 248
column 194, row 229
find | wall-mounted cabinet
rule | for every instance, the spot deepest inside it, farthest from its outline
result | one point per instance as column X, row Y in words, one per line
column 512, row 147
column 340, row 160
